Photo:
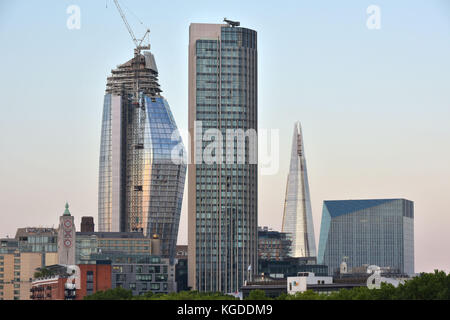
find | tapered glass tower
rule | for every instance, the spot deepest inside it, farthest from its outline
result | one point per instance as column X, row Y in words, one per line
column 142, row 172
column 297, row 215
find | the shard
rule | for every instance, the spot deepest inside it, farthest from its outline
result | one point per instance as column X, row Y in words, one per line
column 141, row 172
column 297, row 215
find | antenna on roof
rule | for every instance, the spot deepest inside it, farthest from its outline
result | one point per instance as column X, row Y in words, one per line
column 232, row 23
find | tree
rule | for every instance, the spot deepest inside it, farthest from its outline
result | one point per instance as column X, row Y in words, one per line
column 112, row 294
column 43, row 273
column 257, row 295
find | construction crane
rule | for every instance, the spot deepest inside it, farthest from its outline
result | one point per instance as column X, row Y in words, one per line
column 137, row 42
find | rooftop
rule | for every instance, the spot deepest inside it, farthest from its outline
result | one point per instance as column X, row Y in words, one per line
column 114, row 235
column 340, row 207
column 32, row 231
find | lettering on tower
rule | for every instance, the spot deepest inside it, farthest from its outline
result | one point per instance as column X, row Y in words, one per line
column 66, row 238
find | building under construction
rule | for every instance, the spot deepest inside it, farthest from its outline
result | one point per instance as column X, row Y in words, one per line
column 142, row 169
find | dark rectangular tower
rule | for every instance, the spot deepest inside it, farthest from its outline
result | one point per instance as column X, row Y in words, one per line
column 222, row 193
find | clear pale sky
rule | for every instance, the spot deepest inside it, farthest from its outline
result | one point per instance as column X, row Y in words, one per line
column 374, row 104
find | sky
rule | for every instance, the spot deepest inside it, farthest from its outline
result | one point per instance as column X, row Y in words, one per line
column 374, row 104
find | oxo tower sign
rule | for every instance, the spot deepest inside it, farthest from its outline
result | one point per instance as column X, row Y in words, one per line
column 66, row 238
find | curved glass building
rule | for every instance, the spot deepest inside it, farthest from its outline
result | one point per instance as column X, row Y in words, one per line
column 142, row 167
column 297, row 215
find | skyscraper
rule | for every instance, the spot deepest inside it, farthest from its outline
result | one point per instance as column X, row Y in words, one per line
column 373, row 232
column 222, row 197
column 142, row 172
column 297, row 214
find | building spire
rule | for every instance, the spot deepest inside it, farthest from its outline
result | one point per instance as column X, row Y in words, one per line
column 66, row 212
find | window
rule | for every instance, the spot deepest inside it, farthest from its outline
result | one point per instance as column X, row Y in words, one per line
column 161, row 277
column 133, row 286
column 117, row 269
column 154, row 269
column 120, row 277
column 154, row 286
column 143, row 277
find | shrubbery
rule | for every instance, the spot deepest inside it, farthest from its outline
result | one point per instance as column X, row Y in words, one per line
column 427, row 286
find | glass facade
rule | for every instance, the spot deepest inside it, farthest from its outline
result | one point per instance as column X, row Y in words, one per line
column 88, row 244
column 273, row 245
column 368, row 232
column 141, row 273
column 142, row 163
column 225, row 194
column 297, row 214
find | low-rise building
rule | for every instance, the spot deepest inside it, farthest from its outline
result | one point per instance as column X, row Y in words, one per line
column 181, row 268
column 60, row 284
column 31, row 248
column 273, row 245
column 290, row 267
column 141, row 273
column 301, row 282
column 89, row 243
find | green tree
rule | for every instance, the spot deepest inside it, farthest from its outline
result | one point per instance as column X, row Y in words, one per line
column 257, row 295
column 426, row 286
column 42, row 273
column 112, row 294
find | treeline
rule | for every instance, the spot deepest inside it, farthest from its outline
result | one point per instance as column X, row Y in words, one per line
column 124, row 294
column 426, row 286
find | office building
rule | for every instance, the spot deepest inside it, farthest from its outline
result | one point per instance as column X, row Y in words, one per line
column 140, row 273
column 89, row 243
column 368, row 232
column 19, row 257
column 142, row 162
column 59, row 285
column 273, row 245
column 223, row 178
column 181, row 268
column 297, row 214
column 290, row 267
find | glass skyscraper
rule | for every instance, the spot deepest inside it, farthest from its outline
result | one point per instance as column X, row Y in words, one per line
column 222, row 197
column 368, row 232
column 297, row 215
column 142, row 167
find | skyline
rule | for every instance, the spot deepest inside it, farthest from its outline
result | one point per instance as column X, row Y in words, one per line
column 344, row 79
